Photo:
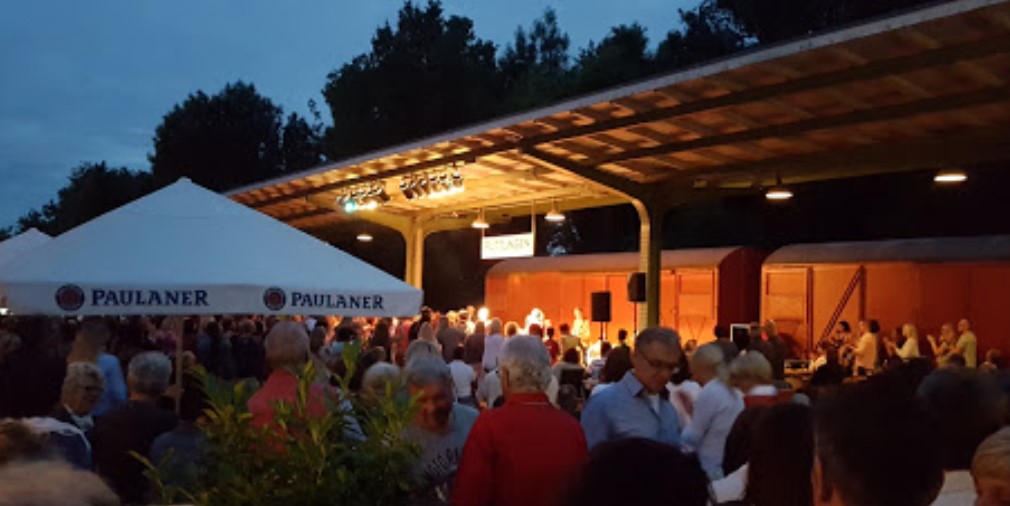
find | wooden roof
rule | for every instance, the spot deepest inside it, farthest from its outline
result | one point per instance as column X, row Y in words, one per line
column 928, row 88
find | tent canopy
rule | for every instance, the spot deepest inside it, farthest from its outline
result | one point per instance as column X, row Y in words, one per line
column 21, row 244
column 187, row 250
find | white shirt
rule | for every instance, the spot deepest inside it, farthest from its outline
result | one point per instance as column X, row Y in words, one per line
column 908, row 350
column 715, row 410
column 958, row 489
column 490, row 388
column 463, row 377
column 967, row 344
column 692, row 389
column 493, row 347
column 732, row 487
column 866, row 352
column 594, row 352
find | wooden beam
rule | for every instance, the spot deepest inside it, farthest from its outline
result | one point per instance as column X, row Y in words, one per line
column 610, row 181
column 523, row 198
column 874, row 70
column 932, row 105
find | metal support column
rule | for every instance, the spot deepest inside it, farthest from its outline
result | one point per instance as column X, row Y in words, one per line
column 650, row 215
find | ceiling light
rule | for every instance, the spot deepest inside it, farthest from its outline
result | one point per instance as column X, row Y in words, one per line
column 365, row 237
column 779, row 192
column 950, row 176
column 554, row 216
column 480, row 222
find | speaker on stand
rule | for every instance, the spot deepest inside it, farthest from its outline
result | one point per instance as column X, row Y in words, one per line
column 636, row 293
column 601, row 310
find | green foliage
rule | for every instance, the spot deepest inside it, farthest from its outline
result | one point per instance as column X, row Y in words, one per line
column 302, row 459
column 777, row 20
column 620, row 57
column 94, row 189
column 234, row 137
column 426, row 74
column 534, row 68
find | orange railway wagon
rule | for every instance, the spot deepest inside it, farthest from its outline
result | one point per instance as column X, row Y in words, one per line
column 699, row 288
column 808, row 288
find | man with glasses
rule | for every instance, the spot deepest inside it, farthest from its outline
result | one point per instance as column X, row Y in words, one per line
column 638, row 405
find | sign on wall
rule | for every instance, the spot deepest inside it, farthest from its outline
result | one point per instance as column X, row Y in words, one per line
column 507, row 246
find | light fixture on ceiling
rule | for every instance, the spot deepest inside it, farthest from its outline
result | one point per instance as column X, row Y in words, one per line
column 363, row 198
column 778, row 192
column 554, row 215
column 365, row 237
column 950, row 176
column 432, row 185
column 480, row 223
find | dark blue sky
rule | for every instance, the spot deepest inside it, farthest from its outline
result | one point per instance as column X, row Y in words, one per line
column 89, row 81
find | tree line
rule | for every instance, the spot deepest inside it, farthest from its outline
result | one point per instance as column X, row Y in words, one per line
column 426, row 72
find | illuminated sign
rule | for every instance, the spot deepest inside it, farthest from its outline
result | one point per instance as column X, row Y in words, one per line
column 507, row 246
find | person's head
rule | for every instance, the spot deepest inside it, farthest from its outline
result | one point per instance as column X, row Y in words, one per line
column 495, row 326
column 458, row 353
column 754, row 331
column 426, row 332
column 873, row 326
column 991, row 469
column 622, row 336
column 247, row 327
column 377, row 377
column 571, row 356
column 771, row 328
column 721, row 332
column 709, row 363
column 82, row 387
column 908, row 331
column 863, row 326
column 565, row 329
column 640, row 471
column 525, row 366
column 956, row 362
column 618, row 363
column 781, row 457
column 863, row 433
column 947, row 330
column 750, row 370
column 418, row 348
column 963, row 326
column 194, row 401
column 19, row 442
column 605, row 349
column 425, row 314
column 287, row 345
column 536, row 330
column 579, row 315
column 511, row 329
column 843, row 327
column 995, row 357
column 148, row 374
column 51, row 482
column 91, row 339
column 429, row 380
column 657, row 353
column 479, row 329
column 967, row 407
column 317, row 339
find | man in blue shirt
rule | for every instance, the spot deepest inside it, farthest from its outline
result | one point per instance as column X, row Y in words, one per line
column 638, row 405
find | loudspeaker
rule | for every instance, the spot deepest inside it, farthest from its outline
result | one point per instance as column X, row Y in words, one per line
column 601, row 307
column 636, row 287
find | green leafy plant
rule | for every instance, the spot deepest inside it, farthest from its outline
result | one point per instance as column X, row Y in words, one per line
column 354, row 454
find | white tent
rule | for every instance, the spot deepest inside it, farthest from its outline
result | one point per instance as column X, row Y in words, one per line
column 16, row 246
column 21, row 244
column 187, row 250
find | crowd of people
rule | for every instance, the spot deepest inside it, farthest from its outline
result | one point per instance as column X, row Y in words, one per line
column 524, row 414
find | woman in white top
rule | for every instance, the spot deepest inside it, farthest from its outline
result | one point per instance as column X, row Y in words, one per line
column 713, row 412
column 910, row 348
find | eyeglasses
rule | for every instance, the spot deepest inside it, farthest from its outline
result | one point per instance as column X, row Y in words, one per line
column 659, row 364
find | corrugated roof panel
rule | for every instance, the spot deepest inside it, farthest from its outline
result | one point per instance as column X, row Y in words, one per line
column 612, row 262
column 938, row 249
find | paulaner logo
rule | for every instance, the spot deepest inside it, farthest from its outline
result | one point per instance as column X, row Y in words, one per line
column 70, row 297
column 275, row 299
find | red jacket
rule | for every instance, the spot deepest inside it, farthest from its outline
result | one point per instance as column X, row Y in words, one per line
column 525, row 453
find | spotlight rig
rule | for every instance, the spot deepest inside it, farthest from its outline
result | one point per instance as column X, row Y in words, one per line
column 365, row 197
column 432, row 185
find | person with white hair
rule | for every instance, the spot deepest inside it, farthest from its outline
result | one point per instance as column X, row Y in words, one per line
column 287, row 352
column 990, row 468
column 440, row 425
column 133, row 426
column 83, row 387
column 713, row 412
column 493, row 345
column 527, row 452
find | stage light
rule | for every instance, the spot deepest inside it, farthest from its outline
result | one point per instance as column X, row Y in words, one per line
column 951, row 176
column 554, row 216
column 483, row 314
column 365, row 237
column 480, row 223
column 779, row 193
column 350, row 206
